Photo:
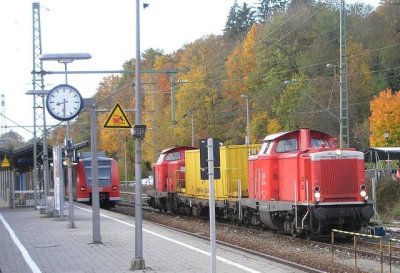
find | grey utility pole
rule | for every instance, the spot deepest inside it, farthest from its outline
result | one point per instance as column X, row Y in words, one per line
column 91, row 104
column 138, row 262
column 247, row 140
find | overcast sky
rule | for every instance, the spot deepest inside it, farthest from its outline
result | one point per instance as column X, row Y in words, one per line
column 105, row 29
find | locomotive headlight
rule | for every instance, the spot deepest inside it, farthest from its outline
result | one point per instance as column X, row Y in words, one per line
column 338, row 152
column 317, row 193
column 363, row 192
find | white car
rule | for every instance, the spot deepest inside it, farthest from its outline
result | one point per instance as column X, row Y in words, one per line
column 148, row 181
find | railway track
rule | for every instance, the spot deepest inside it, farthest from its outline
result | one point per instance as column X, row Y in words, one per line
column 230, row 233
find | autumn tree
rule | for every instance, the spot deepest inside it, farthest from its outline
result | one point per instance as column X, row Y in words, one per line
column 385, row 28
column 385, row 113
column 239, row 67
column 200, row 95
column 11, row 140
column 58, row 135
column 287, row 64
column 284, row 61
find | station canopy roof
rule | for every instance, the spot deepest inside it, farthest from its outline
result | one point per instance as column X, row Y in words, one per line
column 21, row 158
column 382, row 153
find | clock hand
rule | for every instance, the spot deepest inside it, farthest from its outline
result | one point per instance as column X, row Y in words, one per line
column 59, row 103
column 64, row 102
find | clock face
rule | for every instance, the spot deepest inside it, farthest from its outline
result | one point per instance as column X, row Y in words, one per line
column 64, row 102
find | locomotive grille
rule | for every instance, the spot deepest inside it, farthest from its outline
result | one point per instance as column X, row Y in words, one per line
column 339, row 176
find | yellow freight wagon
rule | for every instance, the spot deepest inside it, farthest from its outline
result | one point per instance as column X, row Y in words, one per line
column 234, row 182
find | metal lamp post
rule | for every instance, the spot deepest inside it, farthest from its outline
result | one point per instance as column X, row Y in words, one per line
column 247, row 140
column 138, row 262
column 386, row 134
column 66, row 58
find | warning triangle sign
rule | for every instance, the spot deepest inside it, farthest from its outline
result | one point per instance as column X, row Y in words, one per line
column 117, row 119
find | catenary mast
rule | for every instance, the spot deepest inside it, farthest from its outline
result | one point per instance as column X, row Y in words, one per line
column 39, row 111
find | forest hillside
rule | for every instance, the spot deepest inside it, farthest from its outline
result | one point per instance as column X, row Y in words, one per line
column 283, row 59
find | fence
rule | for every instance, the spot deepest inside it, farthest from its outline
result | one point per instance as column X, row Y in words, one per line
column 6, row 182
column 355, row 236
column 17, row 189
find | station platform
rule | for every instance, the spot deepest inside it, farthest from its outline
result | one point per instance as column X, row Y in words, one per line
column 34, row 242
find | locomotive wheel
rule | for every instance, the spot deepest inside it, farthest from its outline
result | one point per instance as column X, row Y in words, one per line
column 245, row 217
column 293, row 231
column 188, row 211
column 308, row 235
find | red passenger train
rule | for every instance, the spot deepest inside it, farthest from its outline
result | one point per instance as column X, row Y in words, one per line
column 298, row 183
column 108, row 177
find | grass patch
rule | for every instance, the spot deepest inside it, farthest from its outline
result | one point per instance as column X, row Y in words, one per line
column 388, row 200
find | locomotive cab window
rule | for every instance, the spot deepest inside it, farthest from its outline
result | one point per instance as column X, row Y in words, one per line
column 265, row 148
column 173, row 156
column 160, row 159
column 319, row 143
column 286, row 145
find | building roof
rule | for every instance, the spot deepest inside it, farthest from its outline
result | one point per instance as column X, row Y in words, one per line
column 373, row 154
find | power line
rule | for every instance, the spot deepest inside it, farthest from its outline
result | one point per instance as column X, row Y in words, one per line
column 18, row 125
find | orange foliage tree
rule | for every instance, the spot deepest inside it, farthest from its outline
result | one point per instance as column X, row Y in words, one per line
column 239, row 66
column 385, row 116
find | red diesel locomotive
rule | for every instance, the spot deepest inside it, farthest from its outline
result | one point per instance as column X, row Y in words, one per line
column 297, row 183
column 302, row 184
column 108, row 177
column 169, row 175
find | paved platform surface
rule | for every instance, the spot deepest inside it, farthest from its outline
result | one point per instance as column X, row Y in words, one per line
column 34, row 242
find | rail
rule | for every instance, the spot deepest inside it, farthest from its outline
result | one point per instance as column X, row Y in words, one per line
column 390, row 252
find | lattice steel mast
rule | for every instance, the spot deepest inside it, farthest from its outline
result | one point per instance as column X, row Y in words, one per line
column 39, row 111
column 344, row 95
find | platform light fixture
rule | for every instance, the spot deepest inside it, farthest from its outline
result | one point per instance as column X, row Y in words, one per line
column 386, row 134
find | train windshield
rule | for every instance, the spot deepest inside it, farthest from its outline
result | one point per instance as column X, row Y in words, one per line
column 173, row 156
column 104, row 172
column 286, row 145
column 319, row 143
